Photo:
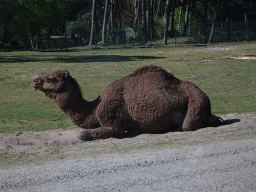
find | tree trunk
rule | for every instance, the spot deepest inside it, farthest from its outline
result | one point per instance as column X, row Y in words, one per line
column 214, row 21
column 31, row 41
column 205, row 18
column 228, row 30
column 30, row 38
column 173, row 14
column 118, row 15
column 104, row 24
column 111, row 19
column 144, row 23
column 158, row 8
column 37, row 39
column 186, row 17
column 152, row 21
column 148, row 18
column 180, row 16
column 136, row 7
column 92, row 24
column 29, row 44
column 166, row 21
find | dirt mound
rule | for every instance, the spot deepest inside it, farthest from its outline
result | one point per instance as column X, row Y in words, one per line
column 26, row 142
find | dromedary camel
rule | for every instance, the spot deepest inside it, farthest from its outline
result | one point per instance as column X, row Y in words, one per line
column 149, row 100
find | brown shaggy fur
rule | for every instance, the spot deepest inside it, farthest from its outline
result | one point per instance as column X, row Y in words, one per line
column 150, row 100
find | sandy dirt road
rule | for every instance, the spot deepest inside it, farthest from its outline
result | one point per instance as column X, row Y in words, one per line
column 225, row 166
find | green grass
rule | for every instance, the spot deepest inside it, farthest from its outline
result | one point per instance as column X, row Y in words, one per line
column 230, row 83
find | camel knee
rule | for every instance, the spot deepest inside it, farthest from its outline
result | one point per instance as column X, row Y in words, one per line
column 100, row 133
column 86, row 135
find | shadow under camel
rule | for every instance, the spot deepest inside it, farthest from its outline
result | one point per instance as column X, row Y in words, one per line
column 177, row 129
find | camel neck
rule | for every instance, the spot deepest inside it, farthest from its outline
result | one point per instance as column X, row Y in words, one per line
column 77, row 109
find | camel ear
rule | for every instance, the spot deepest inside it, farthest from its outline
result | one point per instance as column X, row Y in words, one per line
column 65, row 74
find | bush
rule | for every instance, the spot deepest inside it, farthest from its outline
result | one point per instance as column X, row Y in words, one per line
column 159, row 27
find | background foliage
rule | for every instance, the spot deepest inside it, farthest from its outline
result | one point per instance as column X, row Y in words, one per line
column 32, row 22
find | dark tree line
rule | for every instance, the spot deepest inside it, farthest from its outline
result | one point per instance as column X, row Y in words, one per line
column 143, row 15
column 150, row 18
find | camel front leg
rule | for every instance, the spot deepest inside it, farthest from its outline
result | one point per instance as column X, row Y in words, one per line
column 109, row 114
column 100, row 133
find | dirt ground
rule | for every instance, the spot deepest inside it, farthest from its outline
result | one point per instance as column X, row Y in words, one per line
column 235, row 126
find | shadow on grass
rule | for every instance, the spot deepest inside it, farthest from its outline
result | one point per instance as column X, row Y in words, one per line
column 74, row 59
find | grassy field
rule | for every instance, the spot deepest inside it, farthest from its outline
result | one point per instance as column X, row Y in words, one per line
column 229, row 82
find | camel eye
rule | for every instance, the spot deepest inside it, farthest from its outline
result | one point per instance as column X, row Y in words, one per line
column 50, row 80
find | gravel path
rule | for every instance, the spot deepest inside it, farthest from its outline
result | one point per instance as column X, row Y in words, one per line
column 224, row 166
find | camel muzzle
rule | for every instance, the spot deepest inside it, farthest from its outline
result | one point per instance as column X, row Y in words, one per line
column 35, row 86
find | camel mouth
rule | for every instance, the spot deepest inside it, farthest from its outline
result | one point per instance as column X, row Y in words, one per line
column 35, row 87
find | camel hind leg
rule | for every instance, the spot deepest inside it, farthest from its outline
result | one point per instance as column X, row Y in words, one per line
column 197, row 114
column 192, row 121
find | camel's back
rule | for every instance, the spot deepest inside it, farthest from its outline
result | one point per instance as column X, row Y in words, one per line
column 143, row 81
column 158, row 72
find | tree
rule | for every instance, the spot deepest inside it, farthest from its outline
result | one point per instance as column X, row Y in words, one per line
column 144, row 23
column 158, row 7
column 186, row 16
column 151, row 20
column 181, row 1
column 104, row 24
column 92, row 24
column 136, row 12
column 173, row 14
column 111, row 17
column 31, row 17
column 214, row 21
column 166, row 21
column 8, row 9
column 228, row 30
column 205, row 21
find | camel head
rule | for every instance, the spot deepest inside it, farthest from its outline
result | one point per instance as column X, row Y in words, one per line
column 52, row 84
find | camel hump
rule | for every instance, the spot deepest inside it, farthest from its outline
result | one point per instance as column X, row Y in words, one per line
column 150, row 68
column 153, row 69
